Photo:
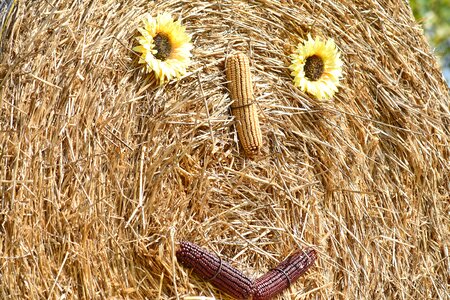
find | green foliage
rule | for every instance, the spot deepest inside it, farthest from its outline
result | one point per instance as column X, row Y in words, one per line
column 434, row 15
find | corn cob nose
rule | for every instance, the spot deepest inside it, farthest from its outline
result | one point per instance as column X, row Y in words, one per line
column 244, row 107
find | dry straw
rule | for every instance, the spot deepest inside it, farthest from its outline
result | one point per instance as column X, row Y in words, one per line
column 102, row 171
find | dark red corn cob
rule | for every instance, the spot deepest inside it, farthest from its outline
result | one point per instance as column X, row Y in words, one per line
column 280, row 278
column 213, row 269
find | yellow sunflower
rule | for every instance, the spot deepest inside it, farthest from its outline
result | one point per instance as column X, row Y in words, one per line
column 317, row 67
column 165, row 47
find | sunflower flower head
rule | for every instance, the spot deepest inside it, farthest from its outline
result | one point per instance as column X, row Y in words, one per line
column 317, row 67
column 164, row 47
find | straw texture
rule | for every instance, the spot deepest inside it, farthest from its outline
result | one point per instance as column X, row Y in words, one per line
column 102, row 171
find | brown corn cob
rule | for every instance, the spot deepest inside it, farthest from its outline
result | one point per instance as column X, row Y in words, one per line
column 243, row 106
column 280, row 278
column 211, row 268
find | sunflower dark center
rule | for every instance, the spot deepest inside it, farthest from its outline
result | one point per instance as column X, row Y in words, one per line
column 163, row 46
column 313, row 67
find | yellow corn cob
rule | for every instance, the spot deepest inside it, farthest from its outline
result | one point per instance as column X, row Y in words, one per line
column 244, row 107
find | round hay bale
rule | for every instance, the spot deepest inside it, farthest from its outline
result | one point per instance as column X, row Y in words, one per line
column 102, row 172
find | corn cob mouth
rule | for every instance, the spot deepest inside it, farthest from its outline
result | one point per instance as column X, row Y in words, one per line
column 228, row 279
column 213, row 269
